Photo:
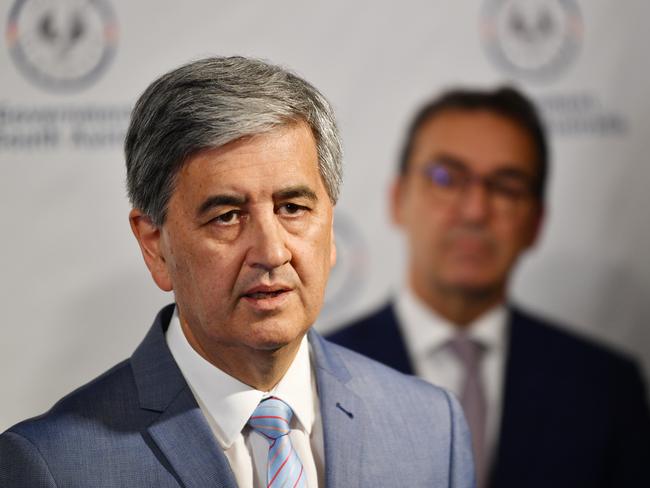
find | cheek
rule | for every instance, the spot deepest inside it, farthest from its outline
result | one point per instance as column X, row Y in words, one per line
column 201, row 272
column 514, row 237
column 321, row 263
column 430, row 228
column 312, row 263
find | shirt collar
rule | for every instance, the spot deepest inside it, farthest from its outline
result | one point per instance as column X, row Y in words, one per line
column 228, row 401
column 425, row 330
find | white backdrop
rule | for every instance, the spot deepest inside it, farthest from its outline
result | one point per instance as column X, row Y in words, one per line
column 75, row 296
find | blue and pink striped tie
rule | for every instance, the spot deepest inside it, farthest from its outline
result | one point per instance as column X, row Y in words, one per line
column 271, row 419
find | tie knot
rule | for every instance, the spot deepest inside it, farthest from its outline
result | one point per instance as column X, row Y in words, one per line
column 468, row 350
column 271, row 418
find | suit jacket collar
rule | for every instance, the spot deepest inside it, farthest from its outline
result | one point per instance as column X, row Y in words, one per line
column 183, row 436
column 525, row 397
column 343, row 416
column 180, row 433
column 388, row 345
column 156, row 374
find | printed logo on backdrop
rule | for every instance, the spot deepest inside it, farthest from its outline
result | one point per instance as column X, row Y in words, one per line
column 532, row 39
column 348, row 277
column 62, row 45
column 538, row 41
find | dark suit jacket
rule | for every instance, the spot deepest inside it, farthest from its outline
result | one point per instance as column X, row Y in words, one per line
column 574, row 413
column 138, row 425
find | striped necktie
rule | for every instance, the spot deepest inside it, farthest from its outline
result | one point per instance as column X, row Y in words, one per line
column 271, row 419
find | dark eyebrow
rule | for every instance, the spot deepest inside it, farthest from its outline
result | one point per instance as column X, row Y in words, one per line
column 299, row 191
column 219, row 200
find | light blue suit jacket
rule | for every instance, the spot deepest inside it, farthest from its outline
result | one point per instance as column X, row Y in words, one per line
column 138, row 425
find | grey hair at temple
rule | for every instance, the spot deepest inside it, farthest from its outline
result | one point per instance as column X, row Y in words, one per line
column 209, row 103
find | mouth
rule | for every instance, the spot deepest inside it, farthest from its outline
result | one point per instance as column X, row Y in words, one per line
column 265, row 294
column 475, row 245
column 266, row 298
column 472, row 243
column 267, row 291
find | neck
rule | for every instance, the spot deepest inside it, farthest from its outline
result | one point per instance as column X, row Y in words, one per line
column 460, row 306
column 260, row 369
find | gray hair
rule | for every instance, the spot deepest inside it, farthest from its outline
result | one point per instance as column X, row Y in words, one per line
column 209, row 103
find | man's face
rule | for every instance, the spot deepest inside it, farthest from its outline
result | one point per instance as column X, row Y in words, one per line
column 247, row 244
column 466, row 203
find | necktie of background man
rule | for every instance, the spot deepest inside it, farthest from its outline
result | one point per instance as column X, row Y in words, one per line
column 472, row 398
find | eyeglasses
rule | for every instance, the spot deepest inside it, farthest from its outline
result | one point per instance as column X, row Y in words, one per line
column 506, row 189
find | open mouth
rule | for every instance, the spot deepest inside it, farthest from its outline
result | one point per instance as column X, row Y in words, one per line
column 265, row 294
column 266, row 298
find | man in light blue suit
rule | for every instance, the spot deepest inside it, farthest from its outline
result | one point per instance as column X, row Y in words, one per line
column 233, row 169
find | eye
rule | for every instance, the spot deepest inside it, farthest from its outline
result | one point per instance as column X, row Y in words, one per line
column 441, row 176
column 292, row 209
column 228, row 218
column 513, row 188
column 444, row 176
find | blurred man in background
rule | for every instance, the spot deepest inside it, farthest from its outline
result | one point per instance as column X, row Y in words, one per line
column 545, row 407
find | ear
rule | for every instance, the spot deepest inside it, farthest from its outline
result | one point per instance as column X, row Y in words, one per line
column 397, row 192
column 150, row 241
column 332, row 246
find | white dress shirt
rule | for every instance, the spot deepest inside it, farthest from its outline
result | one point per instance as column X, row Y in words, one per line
column 426, row 336
column 227, row 404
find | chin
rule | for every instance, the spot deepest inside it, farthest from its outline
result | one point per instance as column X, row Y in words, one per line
column 473, row 287
column 274, row 336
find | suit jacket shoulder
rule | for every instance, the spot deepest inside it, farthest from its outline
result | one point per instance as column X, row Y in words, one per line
column 377, row 336
column 557, row 339
column 75, row 441
column 583, row 403
column 115, row 430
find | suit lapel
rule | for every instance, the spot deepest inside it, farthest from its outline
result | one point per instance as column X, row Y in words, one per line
column 343, row 415
column 185, row 439
column 379, row 337
column 180, row 433
column 391, row 348
column 524, row 404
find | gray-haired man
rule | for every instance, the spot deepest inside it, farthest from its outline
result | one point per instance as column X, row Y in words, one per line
column 233, row 169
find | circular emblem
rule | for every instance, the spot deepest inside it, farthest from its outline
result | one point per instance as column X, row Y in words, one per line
column 533, row 39
column 61, row 45
column 348, row 275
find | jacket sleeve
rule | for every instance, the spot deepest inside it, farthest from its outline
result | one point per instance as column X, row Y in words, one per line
column 461, row 468
column 21, row 465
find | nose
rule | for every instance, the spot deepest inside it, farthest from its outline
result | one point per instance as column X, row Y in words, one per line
column 268, row 247
column 475, row 202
